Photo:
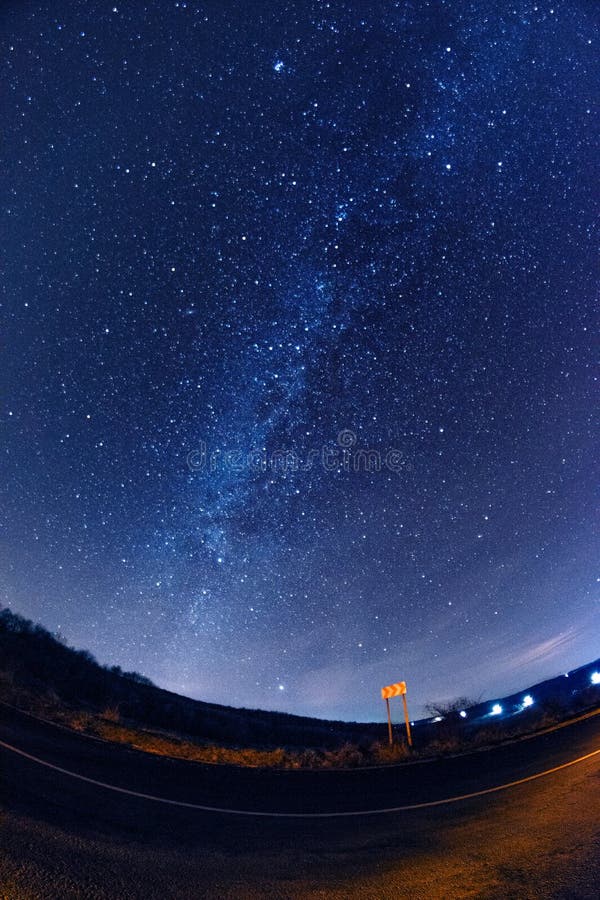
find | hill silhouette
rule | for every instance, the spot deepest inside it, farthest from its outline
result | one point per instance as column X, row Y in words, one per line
column 39, row 672
column 36, row 663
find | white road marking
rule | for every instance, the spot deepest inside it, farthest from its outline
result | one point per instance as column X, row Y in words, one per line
column 293, row 815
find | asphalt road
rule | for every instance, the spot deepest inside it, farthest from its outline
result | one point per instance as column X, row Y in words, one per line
column 237, row 855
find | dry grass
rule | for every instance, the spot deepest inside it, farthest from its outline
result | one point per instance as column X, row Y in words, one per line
column 109, row 726
column 164, row 744
column 111, row 714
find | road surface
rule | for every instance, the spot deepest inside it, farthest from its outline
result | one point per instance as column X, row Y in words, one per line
column 317, row 834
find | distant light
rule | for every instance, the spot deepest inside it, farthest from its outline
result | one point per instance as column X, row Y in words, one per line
column 279, row 66
column 462, row 714
column 527, row 701
column 595, row 678
column 281, row 687
column 496, row 710
column 438, row 718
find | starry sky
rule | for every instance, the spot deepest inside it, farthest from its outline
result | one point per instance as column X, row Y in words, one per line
column 297, row 328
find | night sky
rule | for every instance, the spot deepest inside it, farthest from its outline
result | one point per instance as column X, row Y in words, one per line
column 297, row 333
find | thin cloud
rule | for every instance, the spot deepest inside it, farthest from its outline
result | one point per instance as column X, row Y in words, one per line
column 544, row 650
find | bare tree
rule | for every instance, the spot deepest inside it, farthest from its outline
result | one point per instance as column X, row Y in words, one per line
column 446, row 708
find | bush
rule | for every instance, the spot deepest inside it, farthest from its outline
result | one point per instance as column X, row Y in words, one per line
column 444, row 745
column 111, row 714
column 489, row 735
column 81, row 721
column 382, row 752
column 348, row 756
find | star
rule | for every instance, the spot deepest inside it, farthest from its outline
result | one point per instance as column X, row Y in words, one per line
column 301, row 328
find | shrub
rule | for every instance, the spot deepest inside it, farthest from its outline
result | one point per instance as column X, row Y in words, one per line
column 80, row 721
column 111, row 714
column 490, row 735
column 382, row 752
column 308, row 759
column 444, row 745
column 348, row 756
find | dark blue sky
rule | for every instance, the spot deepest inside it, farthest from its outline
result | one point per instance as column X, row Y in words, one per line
column 244, row 242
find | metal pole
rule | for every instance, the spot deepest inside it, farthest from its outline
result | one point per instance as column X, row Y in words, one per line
column 391, row 739
column 406, row 719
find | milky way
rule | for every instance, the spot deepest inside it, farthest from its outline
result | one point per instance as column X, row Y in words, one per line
column 298, row 321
